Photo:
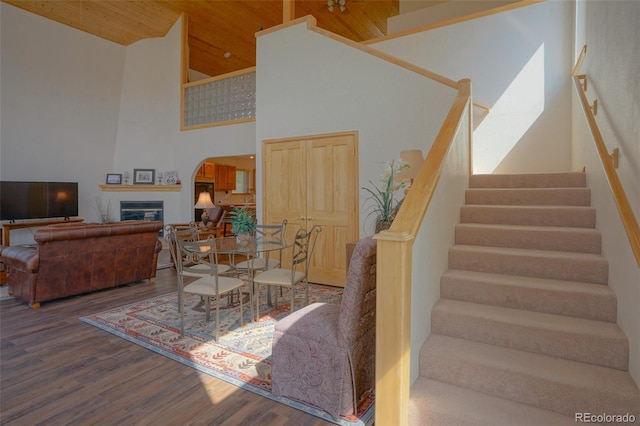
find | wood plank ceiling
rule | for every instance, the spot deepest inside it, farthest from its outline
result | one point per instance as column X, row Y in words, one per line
column 215, row 26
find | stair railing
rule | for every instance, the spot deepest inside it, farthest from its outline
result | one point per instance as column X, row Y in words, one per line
column 609, row 161
column 394, row 263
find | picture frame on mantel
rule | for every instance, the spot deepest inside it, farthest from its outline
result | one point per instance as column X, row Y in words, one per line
column 144, row 176
column 171, row 178
column 114, row 179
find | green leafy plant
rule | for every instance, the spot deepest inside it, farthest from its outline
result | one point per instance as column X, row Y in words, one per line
column 382, row 198
column 243, row 220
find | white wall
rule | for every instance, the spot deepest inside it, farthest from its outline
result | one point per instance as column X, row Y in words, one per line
column 60, row 99
column 519, row 62
column 309, row 84
column 76, row 107
column 404, row 111
column 431, row 247
column 149, row 133
column 416, row 14
column 610, row 30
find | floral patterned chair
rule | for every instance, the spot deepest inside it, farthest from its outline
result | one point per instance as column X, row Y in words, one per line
column 324, row 354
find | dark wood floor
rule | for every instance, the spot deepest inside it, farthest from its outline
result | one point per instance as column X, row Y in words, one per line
column 56, row 370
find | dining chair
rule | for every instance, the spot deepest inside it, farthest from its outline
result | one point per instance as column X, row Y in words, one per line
column 202, row 263
column 297, row 271
column 186, row 232
column 216, row 223
column 264, row 261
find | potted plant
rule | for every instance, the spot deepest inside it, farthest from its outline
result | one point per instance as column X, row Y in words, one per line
column 105, row 212
column 243, row 221
column 383, row 198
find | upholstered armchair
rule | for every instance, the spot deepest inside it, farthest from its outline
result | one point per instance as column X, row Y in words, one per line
column 216, row 225
column 324, row 354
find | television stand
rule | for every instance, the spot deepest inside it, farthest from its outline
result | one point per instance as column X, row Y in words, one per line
column 8, row 227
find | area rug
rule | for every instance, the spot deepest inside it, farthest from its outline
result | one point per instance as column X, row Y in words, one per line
column 242, row 357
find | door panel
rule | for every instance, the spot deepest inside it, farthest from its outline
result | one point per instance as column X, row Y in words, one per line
column 317, row 185
column 330, row 202
column 284, row 187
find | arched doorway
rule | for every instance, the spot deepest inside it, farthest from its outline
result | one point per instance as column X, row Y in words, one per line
column 229, row 180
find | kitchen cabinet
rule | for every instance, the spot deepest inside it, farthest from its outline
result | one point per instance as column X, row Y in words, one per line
column 314, row 181
column 225, row 177
column 206, row 172
column 222, row 176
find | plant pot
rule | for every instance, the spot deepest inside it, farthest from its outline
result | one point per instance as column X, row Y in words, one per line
column 381, row 225
column 243, row 239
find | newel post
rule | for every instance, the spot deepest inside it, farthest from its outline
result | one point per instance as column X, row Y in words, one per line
column 393, row 327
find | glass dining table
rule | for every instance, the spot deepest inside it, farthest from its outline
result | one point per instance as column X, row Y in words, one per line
column 247, row 249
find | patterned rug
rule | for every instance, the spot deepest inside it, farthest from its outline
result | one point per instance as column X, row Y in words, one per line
column 242, row 357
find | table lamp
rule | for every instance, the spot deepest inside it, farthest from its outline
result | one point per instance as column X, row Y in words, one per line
column 204, row 202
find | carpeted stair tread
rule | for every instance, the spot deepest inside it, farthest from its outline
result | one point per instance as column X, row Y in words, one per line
column 570, row 298
column 525, row 312
column 584, row 267
column 566, row 216
column 529, row 196
column 437, row 403
column 586, row 240
column 542, row 381
column 595, row 342
column 529, row 180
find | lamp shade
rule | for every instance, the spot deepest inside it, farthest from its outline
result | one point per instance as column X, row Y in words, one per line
column 415, row 159
column 204, row 201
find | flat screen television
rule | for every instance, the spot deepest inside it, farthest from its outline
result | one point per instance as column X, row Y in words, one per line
column 38, row 200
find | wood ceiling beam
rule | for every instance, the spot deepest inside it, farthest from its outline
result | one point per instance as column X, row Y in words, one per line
column 288, row 10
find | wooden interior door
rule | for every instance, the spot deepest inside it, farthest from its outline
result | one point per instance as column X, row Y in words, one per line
column 313, row 181
column 284, row 184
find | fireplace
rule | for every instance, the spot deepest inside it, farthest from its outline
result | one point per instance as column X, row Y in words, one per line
column 142, row 210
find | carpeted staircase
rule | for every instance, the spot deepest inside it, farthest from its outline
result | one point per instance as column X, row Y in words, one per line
column 525, row 331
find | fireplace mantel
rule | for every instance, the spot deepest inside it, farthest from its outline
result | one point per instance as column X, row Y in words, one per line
column 140, row 188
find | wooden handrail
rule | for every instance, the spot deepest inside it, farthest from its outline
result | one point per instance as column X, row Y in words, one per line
column 483, row 107
column 576, row 68
column 311, row 23
column 394, row 263
column 629, row 221
column 220, row 77
column 472, row 16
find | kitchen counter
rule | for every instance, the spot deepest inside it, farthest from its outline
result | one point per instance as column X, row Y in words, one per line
column 227, row 205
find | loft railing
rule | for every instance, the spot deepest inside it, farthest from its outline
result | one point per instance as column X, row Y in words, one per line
column 216, row 101
column 221, row 100
column 394, row 262
column 609, row 161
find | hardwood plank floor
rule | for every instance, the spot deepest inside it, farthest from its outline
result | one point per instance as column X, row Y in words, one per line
column 57, row 370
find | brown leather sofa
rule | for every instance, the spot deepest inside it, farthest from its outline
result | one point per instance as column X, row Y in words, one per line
column 77, row 258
